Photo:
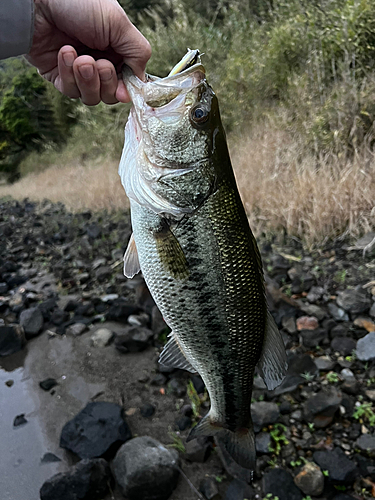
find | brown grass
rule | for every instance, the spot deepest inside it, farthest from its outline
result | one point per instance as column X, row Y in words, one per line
column 282, row 189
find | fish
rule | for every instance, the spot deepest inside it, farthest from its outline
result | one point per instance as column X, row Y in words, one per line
column 192, row 241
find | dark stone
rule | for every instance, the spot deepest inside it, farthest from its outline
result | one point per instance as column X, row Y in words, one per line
column 3, row 288
column 120, row 311
column 71, row 306
column 198, row 383
column 198, row 450
column 312, row 338
column 183, row 423
column 302, row 363
column 366, row 466
column 12, row 339
column 59, row 317
column 133, row 339
column 48, row 384
column 365, row 349
column 337, row 313
column 262, row 443
column 47, row 307
column 87, row 480
column 103, row 273
column 32, row 321
column 321, row 408
column 158, row 379
column 341, row 470
column 19, row 420
column 366, row 443
column 209, row 489
column 264, row 413
column 340, row 330
column 354, row 301
column 49, row 458
column 285, row 408
column 280, row 483
column 98, row 430
column 343, row 345
column 16, row 281
column 145, row 469
column 238, row 490
column 147, row 410
column 93, row 231
column 325, row 363
column 178, row 387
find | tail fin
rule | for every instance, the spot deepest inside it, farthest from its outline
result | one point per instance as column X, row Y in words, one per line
column 240, row 445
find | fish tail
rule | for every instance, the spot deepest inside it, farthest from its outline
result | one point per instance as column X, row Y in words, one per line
column 240, row 445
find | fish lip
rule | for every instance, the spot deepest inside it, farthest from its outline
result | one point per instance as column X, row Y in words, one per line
column 127, row 74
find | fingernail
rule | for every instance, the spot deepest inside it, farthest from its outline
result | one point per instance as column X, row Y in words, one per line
column 105, row 74
column 86, row 71
column 68, row 59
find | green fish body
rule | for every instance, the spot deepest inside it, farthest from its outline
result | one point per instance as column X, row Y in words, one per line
column 193, row 243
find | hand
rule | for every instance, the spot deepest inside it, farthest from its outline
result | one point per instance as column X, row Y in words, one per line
column 80, row 46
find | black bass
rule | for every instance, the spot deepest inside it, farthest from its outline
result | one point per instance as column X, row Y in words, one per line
column 193, row 243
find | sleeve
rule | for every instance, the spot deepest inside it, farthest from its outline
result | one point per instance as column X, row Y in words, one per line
column 16, row 27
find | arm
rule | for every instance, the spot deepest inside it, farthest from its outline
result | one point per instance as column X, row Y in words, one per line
column 16, row 27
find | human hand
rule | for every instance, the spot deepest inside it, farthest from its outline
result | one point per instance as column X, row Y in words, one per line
column 80, row 46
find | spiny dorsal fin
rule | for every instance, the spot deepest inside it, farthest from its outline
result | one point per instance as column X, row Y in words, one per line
column 272, row 364
column 131, row 261
column 173, row 357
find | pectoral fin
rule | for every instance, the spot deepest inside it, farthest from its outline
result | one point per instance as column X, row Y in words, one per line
column 170, row 252
column 173, row 356
column 131, row 261
column 272, row 365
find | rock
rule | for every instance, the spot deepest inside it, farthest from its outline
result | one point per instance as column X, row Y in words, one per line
column 3, row 288
column 354, row 301
column 372, row 311
column 315, row 294
column 58, row 317
column 183, row 423
column 238, row 490
column 312, row 338
column 102, row 337
column 337, row 313
column 19, row 420
column 310, row 480
column 314, row 310
column 110, row 297
column 133, row 339
column 103, row 273
column 307, row 323
column 147, row 410
column 87, row 480
column 343, row 496
column 340, row 330
column 347, row 375
column 209, row 489
column 49, row 458
column 12, row 339
column 289, row 324
column 325, row 363
column 145, row 469
column 365, row 349
column 341, row 470
column 321, row 408
column 264, row 413
column 76, row 329
column 280, row 483
column 198, row 383
column 121, row 310
column 98, row 430
column 263, row 442
column 47, row 384
column 366, row 443
column 177, row 387
column 198, row 450
column 364, row 323
column 32, row 321
column 301, row 364
column 343, row 345
column 285, row 407
column 370, row 394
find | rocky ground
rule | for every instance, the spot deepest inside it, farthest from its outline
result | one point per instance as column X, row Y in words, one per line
column 82, row 343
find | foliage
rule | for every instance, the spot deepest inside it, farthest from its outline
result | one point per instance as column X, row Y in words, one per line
column 332, row 377
column 177, row 442
column 278, row 438
column 194, row 399
column 365, row 412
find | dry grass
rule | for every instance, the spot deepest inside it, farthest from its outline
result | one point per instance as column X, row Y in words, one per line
column 283, row 190
column 95, row 186
column 313, row 200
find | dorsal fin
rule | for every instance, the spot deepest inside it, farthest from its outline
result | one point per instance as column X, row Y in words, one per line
column 272, row 364
column 173, row 357
column 131, row 261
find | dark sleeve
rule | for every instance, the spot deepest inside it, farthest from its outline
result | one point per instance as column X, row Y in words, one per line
column 16, row 27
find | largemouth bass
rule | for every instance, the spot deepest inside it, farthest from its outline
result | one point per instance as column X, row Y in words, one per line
column 198, row 256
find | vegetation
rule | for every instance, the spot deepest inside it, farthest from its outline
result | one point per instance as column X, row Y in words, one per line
column 295, row 80
column 365, row 413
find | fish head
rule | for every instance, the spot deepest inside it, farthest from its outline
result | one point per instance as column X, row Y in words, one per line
column 168, row 158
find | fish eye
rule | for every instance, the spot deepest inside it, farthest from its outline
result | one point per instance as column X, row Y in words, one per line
column 199, row 114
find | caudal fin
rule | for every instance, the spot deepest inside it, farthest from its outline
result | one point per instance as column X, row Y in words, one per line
column 240, row 445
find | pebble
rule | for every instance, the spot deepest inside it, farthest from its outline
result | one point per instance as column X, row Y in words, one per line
column 325, row 363
column 101, row 337
column 48, row 384
column 76, row 329
column 32, row 321
column 365, row 349
column 264, row 413
column 198, row 450
column 19, row 420
column 145, row 469
column 347, row 375
column 310, row 480
column 366, row 443
column 280, row 483
column 337, row 313
column 343, row 345
column 263, row 442
column 307, row 323
column 208, row 487
column 312, row 338
column 133, row 339
column 341, row 470
column 321, row 408
column 314, row 310
column 353, row 301
column 289, row 324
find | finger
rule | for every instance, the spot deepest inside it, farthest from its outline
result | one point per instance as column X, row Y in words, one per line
column 66, row 82
column 108, row 81
column 122, row 94
column 87, row 79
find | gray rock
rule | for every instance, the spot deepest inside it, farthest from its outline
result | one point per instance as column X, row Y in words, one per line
column 314, row 310
column 343, row 345
column 321, row 408
column 97, row 430
column 133, row 339
column 372, row 311
column 347, row 375
column 337, row 313
column 341, row 470
column 315, row 293
column 325, row 363
column 198, row 450
column 238, row 490
column 312, row 338
column 263, row 442
column 12, row 339
column 32, row 321
column 103, row 273
column 208, row 487
column 289, row 324
column 88, row 480
column 366, row 443
column 310, row 480
column 280, row 483
column 145, row 469
column 340, row 330
column 365, row 349
column 101, row 337
column 264, row 413
column 76, row 329
column 353, row 301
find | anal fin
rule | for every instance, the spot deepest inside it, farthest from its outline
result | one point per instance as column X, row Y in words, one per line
column 173, row 356
column 131, row 261
column 204, row 428
column 272, row 364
